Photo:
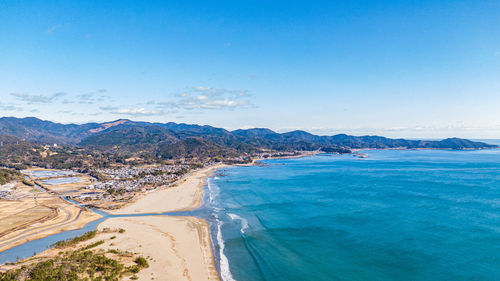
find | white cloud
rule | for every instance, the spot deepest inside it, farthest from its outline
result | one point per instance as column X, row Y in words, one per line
column 28, row 98
column 202, row 97
column 108, row 108
column 9, row 107
column 135, row 112
column 93, row 97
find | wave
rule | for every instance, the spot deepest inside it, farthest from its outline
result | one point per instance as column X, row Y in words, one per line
column 213, row 192
column 244, row 222
column 225, row 272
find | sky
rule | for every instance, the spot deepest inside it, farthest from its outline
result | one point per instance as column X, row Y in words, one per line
column 416, row 69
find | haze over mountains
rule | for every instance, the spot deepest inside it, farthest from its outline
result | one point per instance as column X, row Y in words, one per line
column 129, row 135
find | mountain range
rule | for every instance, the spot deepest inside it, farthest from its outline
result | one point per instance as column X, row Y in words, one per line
column 176, row 140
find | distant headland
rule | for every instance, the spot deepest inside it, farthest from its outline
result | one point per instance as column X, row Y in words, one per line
column 172, row 140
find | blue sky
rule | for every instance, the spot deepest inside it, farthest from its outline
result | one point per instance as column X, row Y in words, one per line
column 393, row 68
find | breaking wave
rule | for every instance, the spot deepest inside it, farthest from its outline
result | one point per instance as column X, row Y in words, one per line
column 244, row 222
column 225, row 271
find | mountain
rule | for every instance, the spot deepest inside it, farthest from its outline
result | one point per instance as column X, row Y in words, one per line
column 36, row 130
column 129, row 135
column 255, row 132
column 178, row 140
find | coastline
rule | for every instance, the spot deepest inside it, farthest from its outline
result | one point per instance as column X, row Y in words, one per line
column 172, row 242
column 180, row 247
column 182, row 232
column 184, row 195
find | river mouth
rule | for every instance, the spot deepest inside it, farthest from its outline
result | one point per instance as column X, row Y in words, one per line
column 33, row 247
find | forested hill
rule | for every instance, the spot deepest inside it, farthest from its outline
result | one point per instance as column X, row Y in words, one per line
column 172, row 139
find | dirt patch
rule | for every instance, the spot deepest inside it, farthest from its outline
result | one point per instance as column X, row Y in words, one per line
column 29, row 216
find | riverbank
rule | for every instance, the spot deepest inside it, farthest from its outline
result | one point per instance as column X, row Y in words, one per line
column 71, row 218
column 32, row 214
column 173, row 243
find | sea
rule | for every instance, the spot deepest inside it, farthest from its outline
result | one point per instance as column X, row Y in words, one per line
column 395, row 215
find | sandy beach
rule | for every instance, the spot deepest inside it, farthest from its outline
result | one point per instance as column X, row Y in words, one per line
column 187, row 194
column 179, row 247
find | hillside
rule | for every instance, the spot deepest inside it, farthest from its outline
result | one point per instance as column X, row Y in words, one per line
column 172, row 140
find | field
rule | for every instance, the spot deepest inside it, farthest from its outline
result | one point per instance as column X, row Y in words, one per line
column 24, row 218
column 31, row 213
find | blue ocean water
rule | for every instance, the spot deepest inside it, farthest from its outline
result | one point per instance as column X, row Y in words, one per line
column 397, row 215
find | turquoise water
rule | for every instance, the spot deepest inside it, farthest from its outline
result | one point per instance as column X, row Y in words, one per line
column 397, row 215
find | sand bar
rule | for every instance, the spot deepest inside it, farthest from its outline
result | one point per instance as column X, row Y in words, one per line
column 179, row 247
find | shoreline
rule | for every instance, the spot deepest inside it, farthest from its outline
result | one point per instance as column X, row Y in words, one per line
column 185, row 240
column 179, row 247
column 184, row 195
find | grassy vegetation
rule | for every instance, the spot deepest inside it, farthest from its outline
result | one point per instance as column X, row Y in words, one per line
column 142, row 262
column 73, row 266
column 79, row 264
column 76, row 240
column 93, row 245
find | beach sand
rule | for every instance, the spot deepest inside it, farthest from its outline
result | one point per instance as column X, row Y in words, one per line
column 178, row 247
column 187, row 194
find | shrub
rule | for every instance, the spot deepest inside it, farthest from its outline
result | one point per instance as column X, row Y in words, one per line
column 142, row 262
column 76, row 240
column 95, row 244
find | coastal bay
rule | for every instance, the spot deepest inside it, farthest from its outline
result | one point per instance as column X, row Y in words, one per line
column 395, row 215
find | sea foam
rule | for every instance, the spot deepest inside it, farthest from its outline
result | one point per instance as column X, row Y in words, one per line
column 225, row 271
column 244, row 222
